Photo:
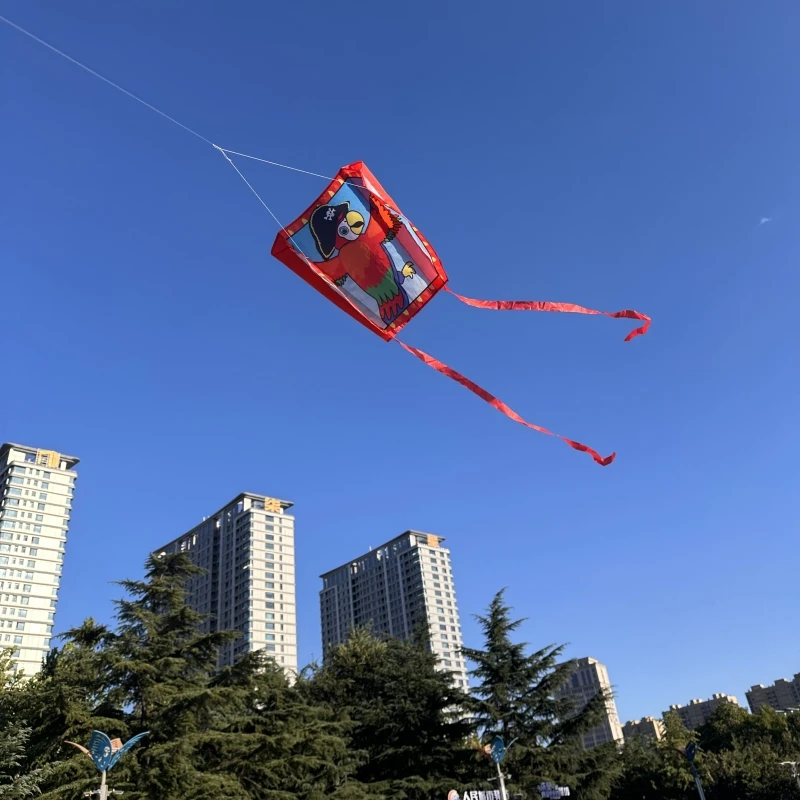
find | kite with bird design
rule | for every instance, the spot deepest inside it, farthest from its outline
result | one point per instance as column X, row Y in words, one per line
column 355, row 247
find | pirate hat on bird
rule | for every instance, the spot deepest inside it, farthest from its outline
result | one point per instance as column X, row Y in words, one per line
column 323, row 224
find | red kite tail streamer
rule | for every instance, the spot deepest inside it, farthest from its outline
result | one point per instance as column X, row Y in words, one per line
column 499, row 404
column 543, row 305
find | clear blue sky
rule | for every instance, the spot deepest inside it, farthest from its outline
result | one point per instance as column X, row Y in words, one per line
column 616, row 155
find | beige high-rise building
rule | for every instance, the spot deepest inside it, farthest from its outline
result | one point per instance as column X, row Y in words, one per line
column 698, row 712
column 247, row 551
column 781, row 695
column 397, row 587
column 645, row 728
column 36, row 489
column 590, row 678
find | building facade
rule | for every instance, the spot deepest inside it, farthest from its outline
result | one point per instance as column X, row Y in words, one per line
column 36, row 491
column 398, row 588
column 247, row 551
column 645, row 728
column 590, row 678
column 698, row 712
column 782, row 695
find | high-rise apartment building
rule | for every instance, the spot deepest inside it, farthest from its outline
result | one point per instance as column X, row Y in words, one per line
column 398, row 588
column 645, row 728
column 781, row 695
column 247, row 552
column 36, row 489
column 590, row 678
column 698, row 712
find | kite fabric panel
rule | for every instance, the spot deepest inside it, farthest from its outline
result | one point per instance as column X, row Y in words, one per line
column 355, row 247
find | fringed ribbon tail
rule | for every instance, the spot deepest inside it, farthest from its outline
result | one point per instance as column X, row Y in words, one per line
column 543, row 305
column 499, row 404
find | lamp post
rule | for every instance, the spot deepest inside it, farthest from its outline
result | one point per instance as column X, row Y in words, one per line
column 690, row 752
column 497, row 751
column 105, row 753
column 795, row 771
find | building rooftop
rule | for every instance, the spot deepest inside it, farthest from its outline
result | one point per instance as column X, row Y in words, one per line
column 431, row 536
column 284, row 504
column 35, row 451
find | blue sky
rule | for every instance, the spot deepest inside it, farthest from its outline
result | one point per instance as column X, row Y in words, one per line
column 615, row 155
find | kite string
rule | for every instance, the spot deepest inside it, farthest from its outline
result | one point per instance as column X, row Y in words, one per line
column 274, row 163
column 158, row 111
column 104, row 79
column 258, row 196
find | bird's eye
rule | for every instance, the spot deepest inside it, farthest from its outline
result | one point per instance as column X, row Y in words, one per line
column 343, row 231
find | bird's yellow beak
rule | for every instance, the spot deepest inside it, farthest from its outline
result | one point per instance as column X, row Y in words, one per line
column 355, row 221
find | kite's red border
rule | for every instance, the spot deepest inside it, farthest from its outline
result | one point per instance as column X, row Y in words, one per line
column 313, row 275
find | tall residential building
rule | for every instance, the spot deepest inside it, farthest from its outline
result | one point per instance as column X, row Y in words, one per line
column 698, row 712
column 781, row 695
column 36, row 489
column 247, row 551
column 590, row 678
column 645, row 728
column 399, row 587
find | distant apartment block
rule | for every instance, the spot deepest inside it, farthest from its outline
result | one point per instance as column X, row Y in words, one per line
column 36, row 489
column 781, row 695
column 698, row 712
column 645, row 728
column 591, row 678
column 247, row 551
column 397, row 588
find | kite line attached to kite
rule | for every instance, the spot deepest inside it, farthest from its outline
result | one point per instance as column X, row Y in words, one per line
column 355, row 247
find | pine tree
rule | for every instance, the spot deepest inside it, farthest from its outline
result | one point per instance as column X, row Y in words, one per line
column 405, row 715
column 241, row 733
column 293, row 750
column 16, row 782
column 516, row 697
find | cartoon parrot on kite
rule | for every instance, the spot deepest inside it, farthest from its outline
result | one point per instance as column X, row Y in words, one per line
column 353, row 248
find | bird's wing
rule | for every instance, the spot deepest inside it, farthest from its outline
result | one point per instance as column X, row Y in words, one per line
column 391, row 223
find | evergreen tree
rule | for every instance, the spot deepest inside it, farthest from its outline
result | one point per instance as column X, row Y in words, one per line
column 407, row 716
column 241, row 732
column 517, row 697
column 278, row 745
column 16, row 783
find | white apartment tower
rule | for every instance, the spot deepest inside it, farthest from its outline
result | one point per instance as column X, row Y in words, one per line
column 396, row 588
column 590, row 678
column 247, row 552
column 36, row 488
